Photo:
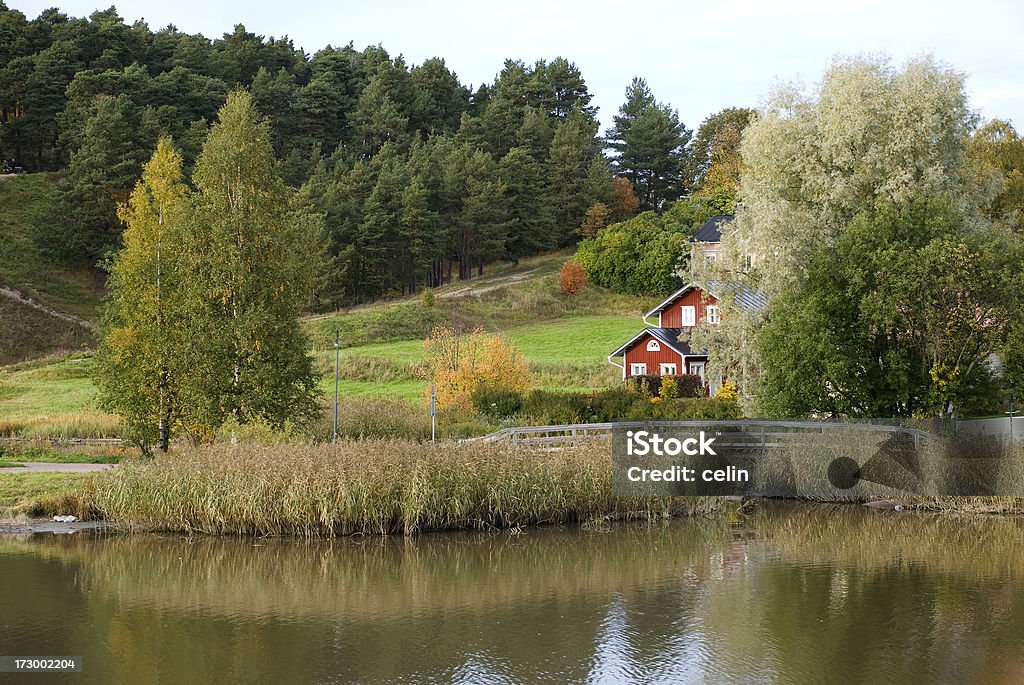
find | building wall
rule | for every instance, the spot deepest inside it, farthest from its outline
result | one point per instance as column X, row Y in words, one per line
column 701, row 251
column 672, row 316
column 700, row 360
column 638, row 354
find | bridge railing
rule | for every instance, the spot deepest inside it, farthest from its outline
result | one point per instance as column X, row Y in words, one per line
column 748, row 432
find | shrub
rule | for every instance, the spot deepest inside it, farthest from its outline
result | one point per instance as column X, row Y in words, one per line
column 571, row 278
column 685, row 408
column 691, row 385
column 597, row 217
column 545, row 407
column 728, row 391
column 427, row 298
column 637, row 256
column 460, row 364
column 611, row 405
column 687, row 385
column 497, row 403
column 669, row 388
column 645, row 386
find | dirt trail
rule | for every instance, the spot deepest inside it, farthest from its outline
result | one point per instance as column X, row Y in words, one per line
column 13, row 294
column 486, row 285
column 478, row 287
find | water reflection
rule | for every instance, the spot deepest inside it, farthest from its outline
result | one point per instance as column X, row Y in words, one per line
column 792, row 594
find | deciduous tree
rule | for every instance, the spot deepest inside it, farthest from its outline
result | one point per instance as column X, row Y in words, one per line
column 252, row 257
column 141, row 365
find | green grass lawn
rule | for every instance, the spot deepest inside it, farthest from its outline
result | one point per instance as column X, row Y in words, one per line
column 56, row 399
column 59, row 398
column 565, row 340
column 25, row 201
column 20, row 493
column 585, row 340
column 28, row 331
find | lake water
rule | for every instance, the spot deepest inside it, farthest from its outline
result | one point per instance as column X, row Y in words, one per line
column 786, row 594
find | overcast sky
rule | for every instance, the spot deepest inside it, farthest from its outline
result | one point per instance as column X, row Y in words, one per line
column 698, row 56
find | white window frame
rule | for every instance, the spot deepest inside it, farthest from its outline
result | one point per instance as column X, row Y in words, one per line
column 638, row 369
column 700, row 368
column 710, row 258
column 653, row 346
column 688, row 313
column 747, row 263
column 668, row 369
column 713, row 316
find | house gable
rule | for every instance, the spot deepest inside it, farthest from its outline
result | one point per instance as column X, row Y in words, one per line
column 648, row 350
column 685, row 308
column 688, row 310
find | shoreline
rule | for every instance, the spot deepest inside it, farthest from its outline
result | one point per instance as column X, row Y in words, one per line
column 36, row 525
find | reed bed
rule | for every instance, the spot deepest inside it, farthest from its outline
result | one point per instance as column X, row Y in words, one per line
column 374, row 487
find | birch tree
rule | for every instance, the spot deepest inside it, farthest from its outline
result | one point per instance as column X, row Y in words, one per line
column 140, row 363
column 252, row 260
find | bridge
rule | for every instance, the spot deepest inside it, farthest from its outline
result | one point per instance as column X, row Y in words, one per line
column 747, row 432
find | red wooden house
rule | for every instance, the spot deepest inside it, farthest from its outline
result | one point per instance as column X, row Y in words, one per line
column 664, row 349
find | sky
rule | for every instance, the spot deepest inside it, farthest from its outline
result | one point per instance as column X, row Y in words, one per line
column 699, row 57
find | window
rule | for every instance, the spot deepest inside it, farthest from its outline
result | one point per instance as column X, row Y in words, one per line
column 689, row 316
column 710, row 258
column 713, row 316
column 653, row 346
column 667, row 369
column 638, row 369
column 747, row 263
column 697, row 369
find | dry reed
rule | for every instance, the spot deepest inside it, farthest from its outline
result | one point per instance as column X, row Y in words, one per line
column 375, row 487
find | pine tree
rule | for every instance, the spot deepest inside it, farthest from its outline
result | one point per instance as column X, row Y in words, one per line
column 377, row 119
column 275, row 96
column 377, row 242
column 420, row 240
column 140, row 363
column 650, row 143
column 530, row 228
column 439, row 98
column 572, row 149
column 101, row 174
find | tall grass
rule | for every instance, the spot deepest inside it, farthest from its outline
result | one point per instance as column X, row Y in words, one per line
column 375, row 487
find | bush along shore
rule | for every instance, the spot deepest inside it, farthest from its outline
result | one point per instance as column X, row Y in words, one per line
column 374, row 487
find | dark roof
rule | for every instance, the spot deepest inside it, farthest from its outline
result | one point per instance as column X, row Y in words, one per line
column 710, row 231
column 669, row 336
column 745, row 297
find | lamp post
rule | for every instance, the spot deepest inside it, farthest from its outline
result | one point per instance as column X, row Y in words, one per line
column 337, row 360
column 1011, row 413
column 433, row 413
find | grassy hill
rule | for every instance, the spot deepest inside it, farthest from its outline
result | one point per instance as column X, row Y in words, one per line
column 565, row 340
column 44, row 308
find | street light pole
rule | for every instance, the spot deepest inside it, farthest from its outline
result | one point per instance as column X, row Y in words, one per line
column 1011, row 413
column 337, row 360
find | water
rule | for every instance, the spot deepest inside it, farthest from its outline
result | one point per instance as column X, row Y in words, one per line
column 788, row 594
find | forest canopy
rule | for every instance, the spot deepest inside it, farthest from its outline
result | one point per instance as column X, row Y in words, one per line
column 420, row 177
